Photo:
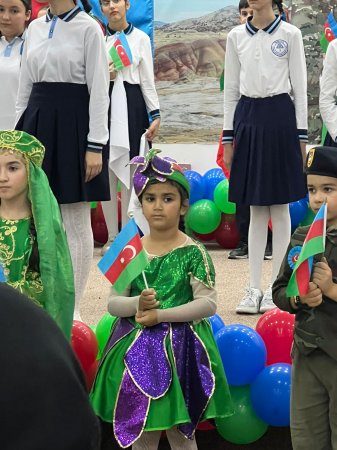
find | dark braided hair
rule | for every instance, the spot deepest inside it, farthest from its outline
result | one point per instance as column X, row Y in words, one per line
column 86, row 6
column 279, row 4
column 34, row 260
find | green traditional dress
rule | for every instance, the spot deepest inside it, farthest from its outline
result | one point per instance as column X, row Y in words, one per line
column 53, row 286
column 16, row 245
column 130, row 388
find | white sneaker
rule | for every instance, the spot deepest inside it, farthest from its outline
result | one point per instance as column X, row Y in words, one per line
column 251, row 302
column 267, row 301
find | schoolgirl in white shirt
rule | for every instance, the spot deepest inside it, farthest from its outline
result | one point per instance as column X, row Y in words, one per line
column 264, row 134
column 142, row 102
column 14, row 18
column 63, row 100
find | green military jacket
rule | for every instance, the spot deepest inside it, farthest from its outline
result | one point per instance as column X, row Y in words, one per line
column 314, row 327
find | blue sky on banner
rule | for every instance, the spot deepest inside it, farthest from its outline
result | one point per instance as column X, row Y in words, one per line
column 175, row 10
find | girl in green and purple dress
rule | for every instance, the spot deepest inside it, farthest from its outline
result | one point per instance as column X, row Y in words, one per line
column 34, row 251
column 161, row 369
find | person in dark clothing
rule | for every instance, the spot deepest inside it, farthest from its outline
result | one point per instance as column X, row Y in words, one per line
column 314, row 382
column 44, row 402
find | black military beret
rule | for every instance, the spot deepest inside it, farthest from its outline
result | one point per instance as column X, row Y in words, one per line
column 322, row 161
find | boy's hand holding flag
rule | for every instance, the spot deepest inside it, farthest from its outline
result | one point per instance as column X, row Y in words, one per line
column 125, row 259
column 314, row 244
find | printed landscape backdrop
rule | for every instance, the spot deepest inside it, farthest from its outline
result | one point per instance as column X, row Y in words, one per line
column 190, row 44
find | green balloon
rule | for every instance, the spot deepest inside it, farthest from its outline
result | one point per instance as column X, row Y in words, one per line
column 103, row 331
column 203, row 217
column 221, row 198
column 308, row 219
column 244, row 427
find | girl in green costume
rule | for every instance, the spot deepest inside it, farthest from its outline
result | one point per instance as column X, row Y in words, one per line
column 161, row 369
column 33, row 247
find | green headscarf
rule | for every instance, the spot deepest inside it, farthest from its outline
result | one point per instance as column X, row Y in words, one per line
column 55, row 262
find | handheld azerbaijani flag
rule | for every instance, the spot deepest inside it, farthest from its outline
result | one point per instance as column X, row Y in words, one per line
column 330, row 32
column 125, row 259
column 314, row 244
column 120, row 52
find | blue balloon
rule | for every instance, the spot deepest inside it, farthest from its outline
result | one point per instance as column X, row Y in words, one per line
column 298, row 211
column 211, row 179
column 243, row 353
column 197, row 185
column 216, row 323
column 270, row 394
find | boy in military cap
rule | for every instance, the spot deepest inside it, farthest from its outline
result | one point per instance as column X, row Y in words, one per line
column 314, row 373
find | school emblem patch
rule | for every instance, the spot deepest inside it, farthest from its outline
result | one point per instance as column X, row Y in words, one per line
column 293, row 256
column 279, row 47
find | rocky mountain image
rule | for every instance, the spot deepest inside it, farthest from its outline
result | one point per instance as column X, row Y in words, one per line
column 189, row 59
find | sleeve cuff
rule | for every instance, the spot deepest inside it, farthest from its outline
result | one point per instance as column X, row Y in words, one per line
column 227, row 136
column 155, row 114
column 303, row 135
column 94, row 147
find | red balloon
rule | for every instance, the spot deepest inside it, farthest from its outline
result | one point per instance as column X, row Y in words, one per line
column 276, row 328
column 227, row 234
column 90, row 374
column 205, row 426
column 84, row 344
column 204, row 237
column 98, row 225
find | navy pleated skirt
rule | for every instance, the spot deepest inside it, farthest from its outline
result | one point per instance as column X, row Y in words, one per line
column 267, row 167
column 138, row 119
column 58, row 115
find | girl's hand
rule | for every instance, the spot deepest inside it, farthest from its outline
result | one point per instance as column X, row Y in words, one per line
column 147, row 318
column 147, row 300
column 314, row 297
column 92, row 164
column 153, row 130
column 112, row 71
column 322, row 276
column 228, row 155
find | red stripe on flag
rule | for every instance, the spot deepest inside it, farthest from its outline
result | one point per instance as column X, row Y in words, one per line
column 303, row 278
column 122, row 53
column 132, row 249
column 316, row 230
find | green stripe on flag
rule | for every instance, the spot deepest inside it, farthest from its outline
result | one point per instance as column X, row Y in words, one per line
column 310, row 248
column 116, row 58
column 131, row 271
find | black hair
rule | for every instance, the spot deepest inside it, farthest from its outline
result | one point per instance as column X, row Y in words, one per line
column 184, row 196
column 34, row 260
column 243, row 4
column 279, row 5
column 86, row 5
column 27, row 4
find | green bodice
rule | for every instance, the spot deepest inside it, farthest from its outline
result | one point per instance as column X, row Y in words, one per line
column 15, row 249
column 170, row 275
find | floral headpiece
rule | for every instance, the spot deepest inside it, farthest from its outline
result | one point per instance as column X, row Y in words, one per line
column 23, row 143
column 151, row 167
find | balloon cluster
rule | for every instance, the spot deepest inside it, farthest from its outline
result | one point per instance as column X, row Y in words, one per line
column 211, row 214
column 257, row 364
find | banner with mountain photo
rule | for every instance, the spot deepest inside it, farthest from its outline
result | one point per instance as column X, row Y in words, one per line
column 190, row 42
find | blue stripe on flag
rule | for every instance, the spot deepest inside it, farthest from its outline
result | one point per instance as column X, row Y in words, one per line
column 141, row 15
column 332, row 23
column 321, row 213
column 121, row 36
column 121, row 240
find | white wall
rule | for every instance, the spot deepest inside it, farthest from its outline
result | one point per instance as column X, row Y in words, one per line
column 202, row 157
